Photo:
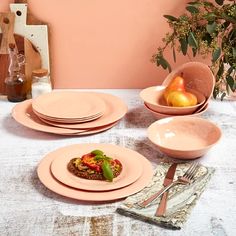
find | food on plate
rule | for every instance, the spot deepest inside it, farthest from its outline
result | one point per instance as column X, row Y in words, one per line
column 95, row 166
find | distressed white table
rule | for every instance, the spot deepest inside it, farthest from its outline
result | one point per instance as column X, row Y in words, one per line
column 29, row 208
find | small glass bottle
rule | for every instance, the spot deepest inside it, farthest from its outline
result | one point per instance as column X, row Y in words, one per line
column 40, row 82
column 16, row 82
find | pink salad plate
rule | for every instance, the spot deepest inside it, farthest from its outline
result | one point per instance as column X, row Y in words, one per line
column 154, row 98
column 131, row 171
column 46, row 177
column 184, row 137
column 70, row 105
column 67, row 121
column 162, row 115
column 24, row 115
column 197, row 76
column 115, row 110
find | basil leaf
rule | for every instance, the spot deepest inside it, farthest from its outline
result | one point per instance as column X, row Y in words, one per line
column 107, row 171
column 97, row 152
column 99, row 157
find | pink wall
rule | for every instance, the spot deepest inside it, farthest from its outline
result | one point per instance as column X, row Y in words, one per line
column 104, row 43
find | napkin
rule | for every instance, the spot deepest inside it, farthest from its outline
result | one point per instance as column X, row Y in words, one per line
column 181, row 199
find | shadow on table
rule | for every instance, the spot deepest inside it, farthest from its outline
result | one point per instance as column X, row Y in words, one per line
column 139, row 118
column 146, row 148
column 57, row 197
column 11, row 126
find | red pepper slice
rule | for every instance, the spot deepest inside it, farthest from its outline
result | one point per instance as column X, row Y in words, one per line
column 89, row 161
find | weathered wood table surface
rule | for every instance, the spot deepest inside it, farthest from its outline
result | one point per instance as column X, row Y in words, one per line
column 29, row 208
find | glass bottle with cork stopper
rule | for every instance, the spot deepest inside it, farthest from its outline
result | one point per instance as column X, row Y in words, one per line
column 16, row 84
column 40, row 82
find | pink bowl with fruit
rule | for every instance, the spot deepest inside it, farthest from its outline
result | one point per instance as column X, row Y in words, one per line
column 154, row 99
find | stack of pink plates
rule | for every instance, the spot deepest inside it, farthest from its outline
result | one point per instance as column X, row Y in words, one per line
column 136, row 173
column 70, row 112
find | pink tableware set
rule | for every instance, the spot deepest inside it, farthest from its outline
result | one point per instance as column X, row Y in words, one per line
column 181, row 134
column 70, row 112
column 178, row 133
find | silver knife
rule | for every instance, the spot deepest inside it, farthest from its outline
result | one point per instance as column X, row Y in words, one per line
column 169, row 176
column 168, row 180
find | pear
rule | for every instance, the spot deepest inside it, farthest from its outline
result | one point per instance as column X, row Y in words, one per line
column 181, row 99
column 177, row 84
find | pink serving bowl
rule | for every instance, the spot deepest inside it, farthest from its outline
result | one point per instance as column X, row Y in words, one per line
column 184, row 137
column 163, row 115
column 153, row 98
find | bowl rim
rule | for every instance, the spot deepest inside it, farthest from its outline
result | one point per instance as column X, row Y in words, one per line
column 169, row 115
column 170, row 107
column 165, row 120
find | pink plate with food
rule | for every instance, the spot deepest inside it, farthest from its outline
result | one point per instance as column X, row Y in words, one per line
column 131, row 167
column 46, row 177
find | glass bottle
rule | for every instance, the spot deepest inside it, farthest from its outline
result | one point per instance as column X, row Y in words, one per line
column 40, row 82
column 16, row 82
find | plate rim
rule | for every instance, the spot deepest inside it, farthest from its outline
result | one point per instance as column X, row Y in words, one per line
column 106, row 187
column 133, row 188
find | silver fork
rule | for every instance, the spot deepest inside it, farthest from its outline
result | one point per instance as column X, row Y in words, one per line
column 184, row 180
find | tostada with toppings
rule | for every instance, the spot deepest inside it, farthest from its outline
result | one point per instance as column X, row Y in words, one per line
column 95, row 166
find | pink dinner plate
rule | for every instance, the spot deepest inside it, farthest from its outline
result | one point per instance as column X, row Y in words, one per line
column 131, row 171
column 53, row 184
column 68, row 104
column 115, row 110
column 24, row 115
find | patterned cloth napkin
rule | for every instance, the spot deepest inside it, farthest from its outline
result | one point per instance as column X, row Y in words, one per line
column 181, row 200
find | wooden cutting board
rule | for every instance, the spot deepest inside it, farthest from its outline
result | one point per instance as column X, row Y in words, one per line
column 31, row 37
column 7, row 27
column 24, row 46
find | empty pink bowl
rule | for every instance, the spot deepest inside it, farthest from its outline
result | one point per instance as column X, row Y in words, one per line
column 153, row 97
column 184, row 137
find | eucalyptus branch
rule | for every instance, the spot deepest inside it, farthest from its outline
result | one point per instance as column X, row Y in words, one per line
column 206, row 28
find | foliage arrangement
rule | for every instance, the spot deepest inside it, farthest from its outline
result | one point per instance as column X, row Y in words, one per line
column 207, row 28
